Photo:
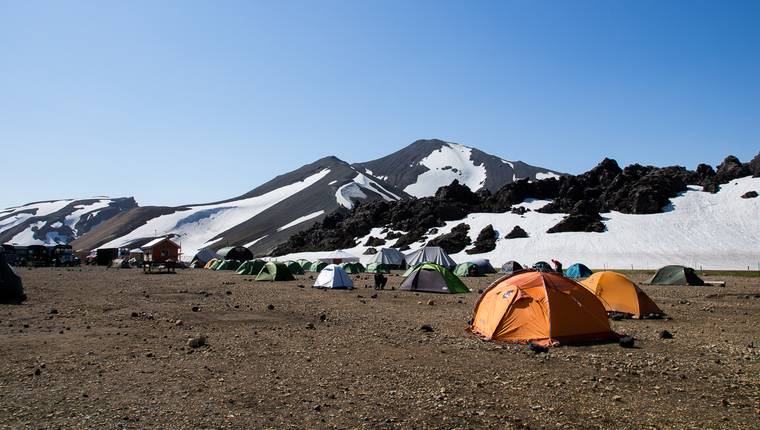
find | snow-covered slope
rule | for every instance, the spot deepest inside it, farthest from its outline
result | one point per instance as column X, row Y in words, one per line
column 698, row 229
column 260, row 219
column 58, row 221
column 426, row 165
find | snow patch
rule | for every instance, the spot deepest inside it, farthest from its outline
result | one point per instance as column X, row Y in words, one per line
column 300, row 220
column 546, row 175
column 369, row 184
column 442, row 164
column 347, row 192
column 249, row 244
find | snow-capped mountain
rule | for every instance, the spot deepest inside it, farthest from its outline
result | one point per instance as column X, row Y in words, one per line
column 58, row 221
column 426, row 165
column 259, row 219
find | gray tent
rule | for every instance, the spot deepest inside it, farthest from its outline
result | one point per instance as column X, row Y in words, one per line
column 511, row 267
column 391, row 257
column 11, row 290
column 676, row 275
column 430, row 254
column 205, row 255
column 239, row 253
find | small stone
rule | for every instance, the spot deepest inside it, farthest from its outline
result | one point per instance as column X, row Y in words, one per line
column 666, row 335
column 427, row 328
column 626, row 342
column 431, row 302
column 134, row 315
column 196, row 342
column 178, row 323
column 195, row 308
column 53, row 311
column 317, row 408
column 310, row 326
column 270, row 307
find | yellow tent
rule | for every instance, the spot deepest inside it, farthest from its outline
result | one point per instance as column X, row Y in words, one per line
column 210, row 263
column 540, row 307
column 620, row 294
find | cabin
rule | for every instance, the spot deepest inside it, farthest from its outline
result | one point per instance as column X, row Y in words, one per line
column 160, row 250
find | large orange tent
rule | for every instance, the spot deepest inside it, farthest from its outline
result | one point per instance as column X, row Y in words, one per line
column 620, row 294
column 540, row 307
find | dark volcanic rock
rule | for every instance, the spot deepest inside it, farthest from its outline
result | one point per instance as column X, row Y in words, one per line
column 749, row 195
column 485, row 242
column 455, row 241
column 374, row 241
column 584, row 223
column 516, row 233
column 754, row 166
column 731, row 168
column 370, row 251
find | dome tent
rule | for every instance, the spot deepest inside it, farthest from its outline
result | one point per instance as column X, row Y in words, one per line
column 211, row 263
column 676, row 275
column 228, row 265
column 250, row 267
column 204, row 256
column 305, row 264
column 294, row 267
column 378, row 268
column 467, row 269
column 484, row 265
column 543, row 266
column 541, row 307
column 333, row 276
column 317, row 266
column 430, row 254
column 619, row 294
column 338, row 257
column 353, row 267
column 511, row 267
column 577, row 271
column 239, row 253
column 391, row 257
column 275, row 271
column 433, row 278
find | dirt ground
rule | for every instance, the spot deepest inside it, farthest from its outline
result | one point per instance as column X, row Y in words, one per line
column 97, row 348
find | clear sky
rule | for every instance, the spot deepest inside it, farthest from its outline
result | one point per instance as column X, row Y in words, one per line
column 178, row 102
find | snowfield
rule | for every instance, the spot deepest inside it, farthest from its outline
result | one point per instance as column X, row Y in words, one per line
column 450, row 162
column 697, row 229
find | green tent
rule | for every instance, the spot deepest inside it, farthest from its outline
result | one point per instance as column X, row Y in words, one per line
column 11, row 289
column 215, row 264
column 317, row 266
column 676, row 275
column 250, row 267
column 352, row 267
column 411, row 269
column 467, row 269
column 228, row 265
column 294, row 267
column 275, row 271
column 433, row 278
column 378, row 268
column 305, row 264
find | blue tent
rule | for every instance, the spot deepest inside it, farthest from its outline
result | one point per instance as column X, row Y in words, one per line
column 578, row 270
column 543, row 266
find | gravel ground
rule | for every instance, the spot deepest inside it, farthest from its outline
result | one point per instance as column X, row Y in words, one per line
column 97, row 348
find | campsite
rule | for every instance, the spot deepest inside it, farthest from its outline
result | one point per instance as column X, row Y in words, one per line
column 104, row 348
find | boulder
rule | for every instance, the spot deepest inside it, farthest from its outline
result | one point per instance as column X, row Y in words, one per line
column 374, row 241
column 749, row 195
column 516, row 233
column 455, row 241
column 485, row 242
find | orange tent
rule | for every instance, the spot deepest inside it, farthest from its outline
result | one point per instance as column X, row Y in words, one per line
column 540, row 307
column 620, row 294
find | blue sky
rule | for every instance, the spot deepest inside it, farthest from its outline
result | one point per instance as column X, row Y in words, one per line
column 210, row 99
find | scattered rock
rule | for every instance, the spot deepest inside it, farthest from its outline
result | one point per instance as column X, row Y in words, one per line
column 664, row 334
column 178, row 323
column 53, row 311
column 134, row 315
column 537, row 349
column 626, row 342
column 196, row 341
column 195, row 309
column 749, row 195
column 374, row 241
column 431, row 302
column 310, row 326
column 485, row 242
column 270, row 307
column 427, row 328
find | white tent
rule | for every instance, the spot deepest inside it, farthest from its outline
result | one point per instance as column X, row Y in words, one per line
column 389, row 256
column 205, row 255
column 338, row 257
column 430, row 254
column 333, row 276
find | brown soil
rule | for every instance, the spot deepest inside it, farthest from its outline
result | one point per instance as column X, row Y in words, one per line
column 114, row 357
